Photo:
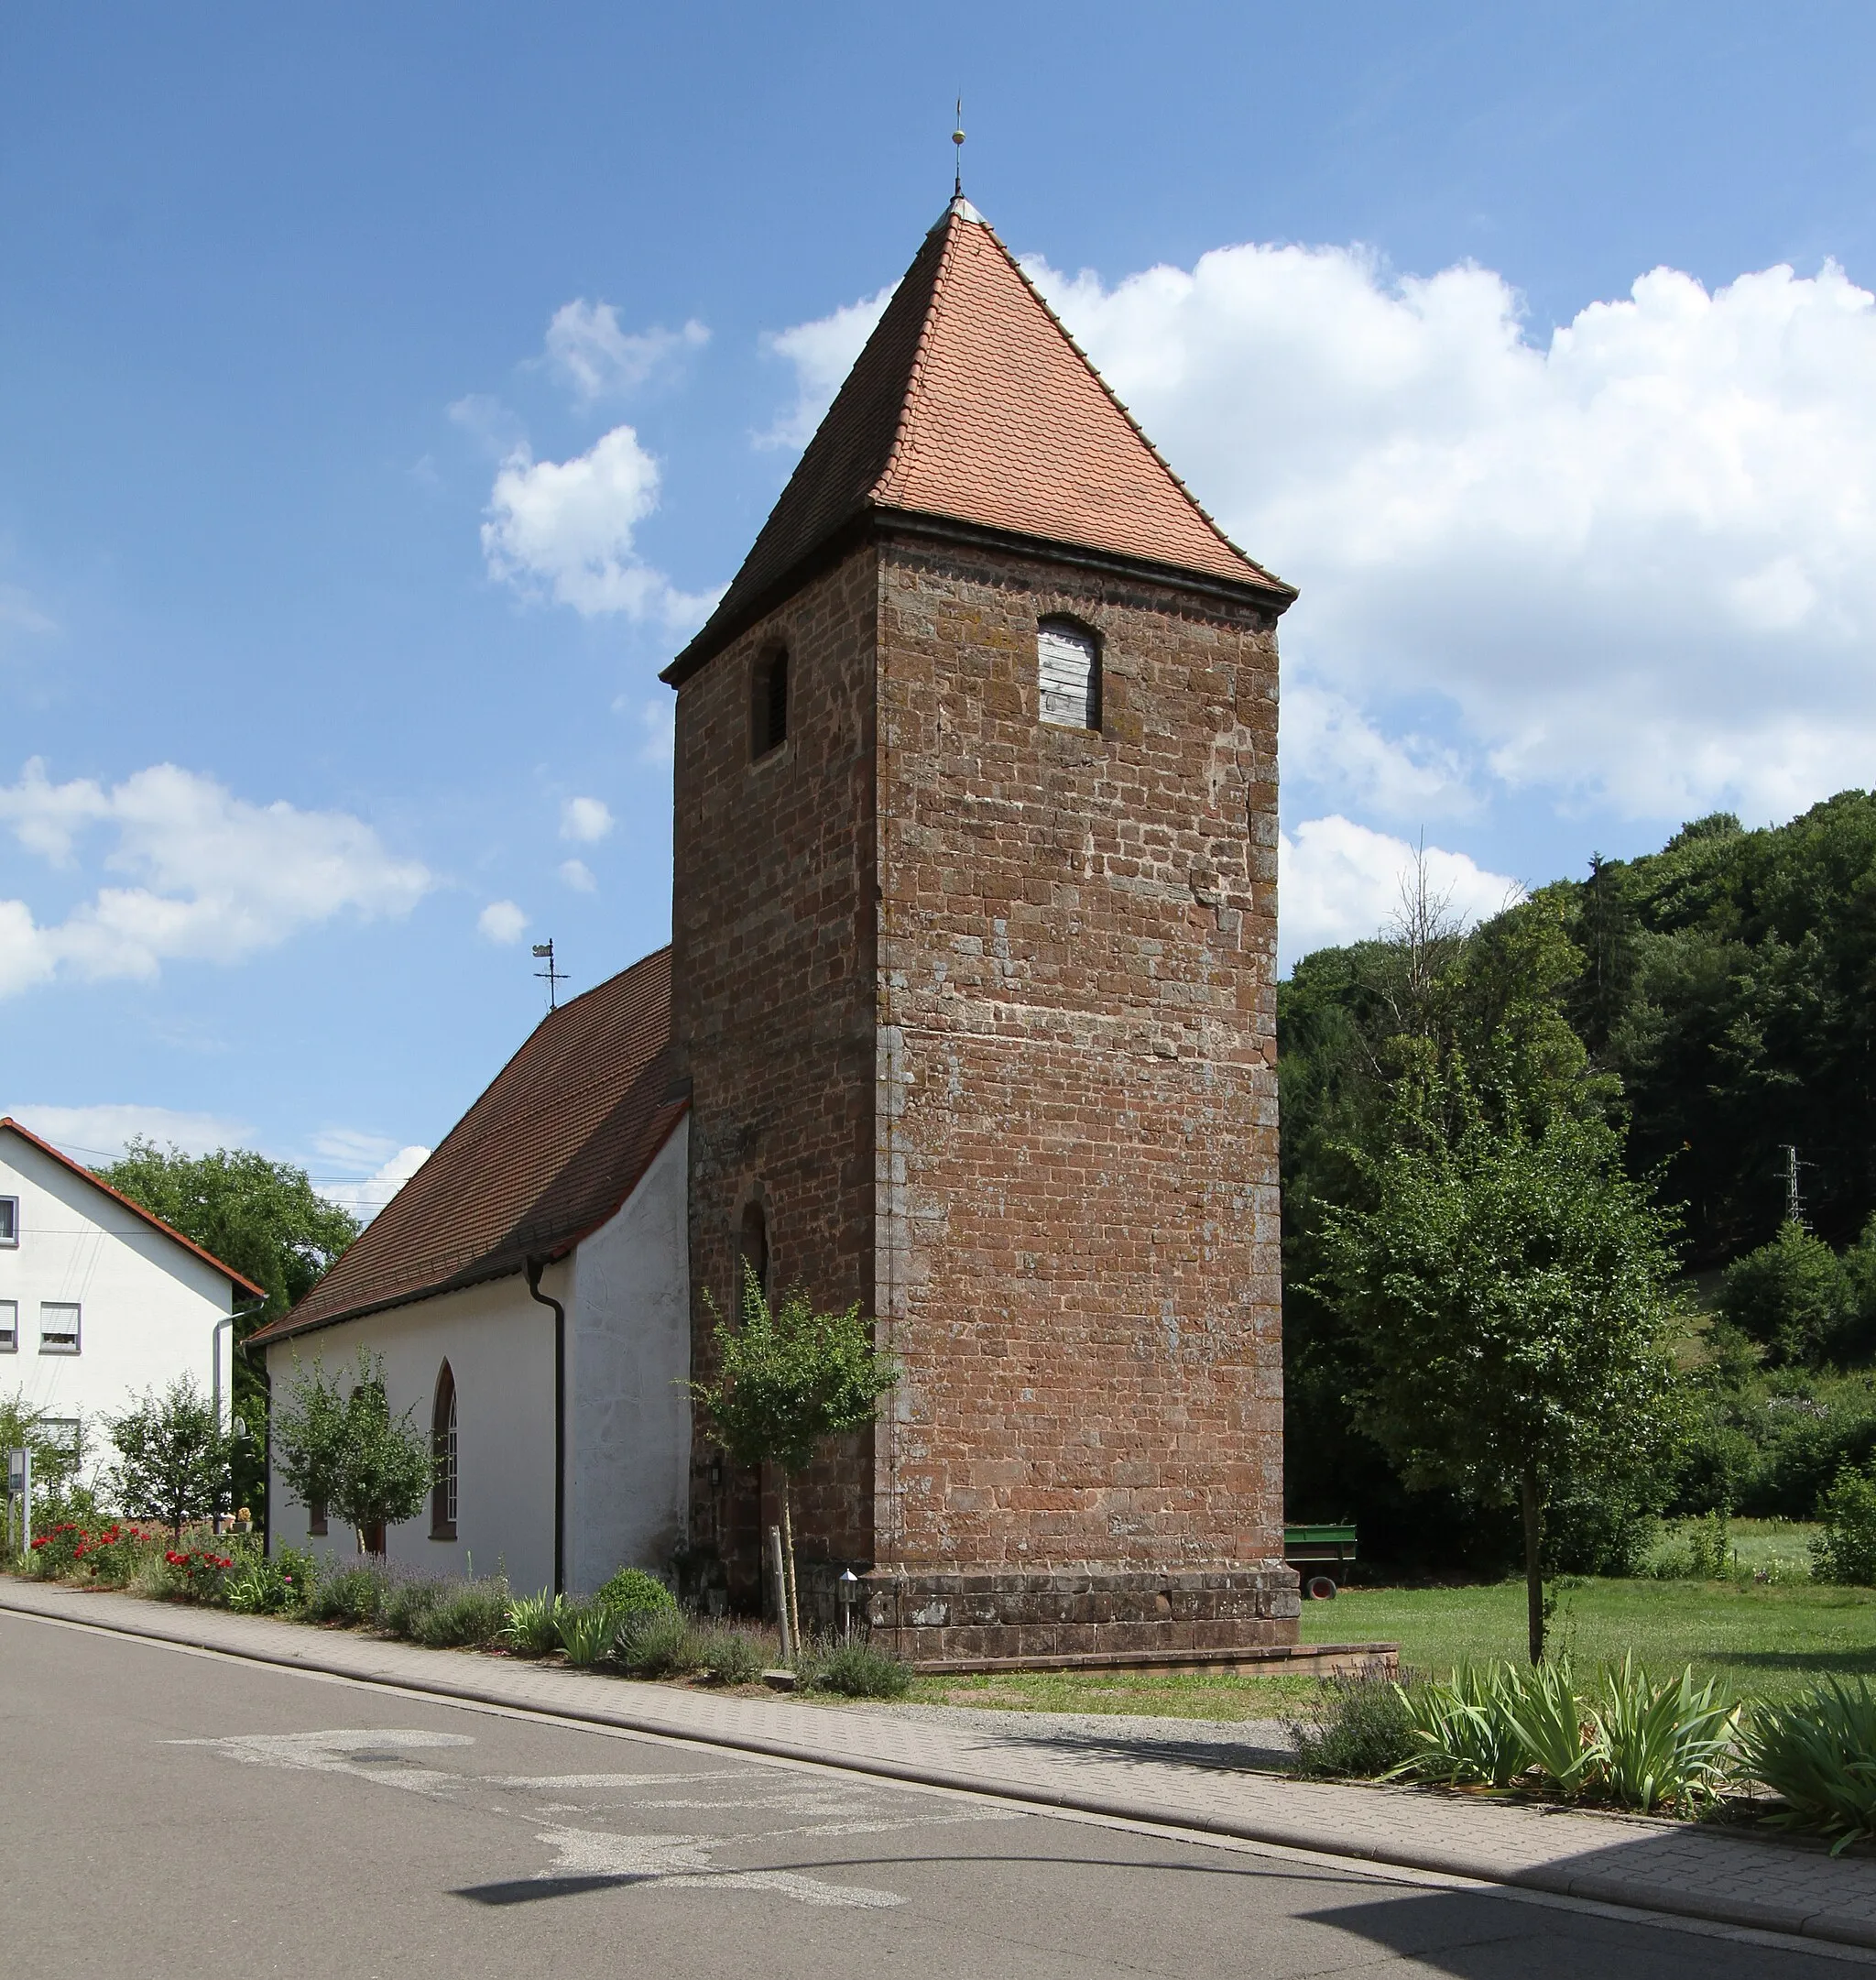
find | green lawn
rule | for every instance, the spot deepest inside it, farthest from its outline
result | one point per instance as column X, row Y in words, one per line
column 1761, row 1639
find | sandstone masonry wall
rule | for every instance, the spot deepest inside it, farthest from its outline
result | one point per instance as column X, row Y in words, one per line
column 1076, row 1145
column 773, row 988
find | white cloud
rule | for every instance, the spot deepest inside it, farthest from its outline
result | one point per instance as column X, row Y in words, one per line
column 1637, row 557
column 823, row 353
column 366, row 1198
column 1327, row 741
column 1338, row 881
column 489, row 424
column 587, row 820
column 589, row 352
column 95, row 1134
column 564, row 529
column 578, row 875
column 501, row 920
column 217, row 878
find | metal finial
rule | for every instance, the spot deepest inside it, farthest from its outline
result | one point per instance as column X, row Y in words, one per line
column 957, row 138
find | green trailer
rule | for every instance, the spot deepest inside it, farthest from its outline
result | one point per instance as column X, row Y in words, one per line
column 1313, row 1551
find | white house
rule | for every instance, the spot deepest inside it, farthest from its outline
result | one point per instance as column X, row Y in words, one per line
column 99, row 1300
column 529, row 1293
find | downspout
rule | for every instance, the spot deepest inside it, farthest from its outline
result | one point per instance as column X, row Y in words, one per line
column 536, row 1266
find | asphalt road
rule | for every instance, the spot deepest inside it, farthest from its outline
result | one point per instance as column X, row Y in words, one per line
column 166, row 1813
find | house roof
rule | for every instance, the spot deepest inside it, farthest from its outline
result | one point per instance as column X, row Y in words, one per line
column 136, row 1209
column 971, row 403
column 549, row 1153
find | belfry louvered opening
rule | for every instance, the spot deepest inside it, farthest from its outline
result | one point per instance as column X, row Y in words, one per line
column 1068, row 675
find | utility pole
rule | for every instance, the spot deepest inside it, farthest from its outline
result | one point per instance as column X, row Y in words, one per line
column 1794, row 1202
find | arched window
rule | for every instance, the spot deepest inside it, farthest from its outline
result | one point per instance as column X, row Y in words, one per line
column 1068, row 675
column 442, row 1452
column 769, row 702
column 752, row 1249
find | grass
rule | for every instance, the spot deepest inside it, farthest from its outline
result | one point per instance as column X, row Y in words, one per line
column 1164, row 1695
column 1760, row 1641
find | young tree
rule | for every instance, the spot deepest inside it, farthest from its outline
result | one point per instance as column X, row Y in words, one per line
column 172, row 1457
column 342, row 1448
column 263, row 1217
column 788, row 1380
column 387, row 1469
column 1510, row 1292
column 310, row 1436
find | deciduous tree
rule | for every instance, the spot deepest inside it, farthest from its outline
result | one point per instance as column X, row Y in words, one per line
column 788, row 1380
column 1509, row 1289
column 172, row 1457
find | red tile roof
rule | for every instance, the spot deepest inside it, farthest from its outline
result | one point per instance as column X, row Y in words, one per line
column 117, row 1196
column 546, row 1155
column 971, row 402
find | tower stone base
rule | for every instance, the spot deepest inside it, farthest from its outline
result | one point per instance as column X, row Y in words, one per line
column 1082, row 1613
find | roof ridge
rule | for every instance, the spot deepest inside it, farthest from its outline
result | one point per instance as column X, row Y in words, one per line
column 952, row 222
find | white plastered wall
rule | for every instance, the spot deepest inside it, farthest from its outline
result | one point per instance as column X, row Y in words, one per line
column 148, row 1305
column 499, row 1345
column 628, row 1358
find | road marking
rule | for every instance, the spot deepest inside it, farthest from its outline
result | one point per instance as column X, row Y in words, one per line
column 683, row 1863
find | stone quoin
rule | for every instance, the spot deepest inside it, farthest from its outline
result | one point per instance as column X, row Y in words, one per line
column 976, row 998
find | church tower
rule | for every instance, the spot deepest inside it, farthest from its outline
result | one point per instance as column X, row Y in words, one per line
column 974, row 954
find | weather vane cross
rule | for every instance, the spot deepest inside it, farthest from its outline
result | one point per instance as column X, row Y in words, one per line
column 551, row 976
column 957, row 138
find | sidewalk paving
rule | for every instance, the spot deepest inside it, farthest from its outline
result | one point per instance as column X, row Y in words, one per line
column 1643, row 1863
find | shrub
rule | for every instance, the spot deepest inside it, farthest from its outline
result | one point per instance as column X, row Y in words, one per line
column 1355, row 1725
column 659, row 1643
column 405, row 1606
column 354, row 1596
column 1662, row 1742
column 533, row 1624
column 201, row 1570
column 731, row 1655
column 112, row 1556
column 857, row 1669
column 1846, row 1549
column 53, row 1551
column 1818, row 1754
column 156, row 1580
column 263, row 1584
column 466, row 1614
column 587, row 1629
column 632, row 1592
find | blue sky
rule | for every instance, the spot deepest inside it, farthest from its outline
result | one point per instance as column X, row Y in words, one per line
column 382, row 390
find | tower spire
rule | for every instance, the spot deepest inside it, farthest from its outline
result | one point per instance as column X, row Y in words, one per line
column 958, row 140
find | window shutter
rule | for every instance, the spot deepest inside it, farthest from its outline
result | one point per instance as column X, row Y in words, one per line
column 1066, row 670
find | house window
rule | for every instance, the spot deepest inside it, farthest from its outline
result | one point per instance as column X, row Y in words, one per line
column 442, row 1453
column 58, row 1327
column 316, row 1519
column 9, row 1325
column 1068, row 674
column 752, row 1250
column 10, row 1220
column 769, row 702
column 64, row 1435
